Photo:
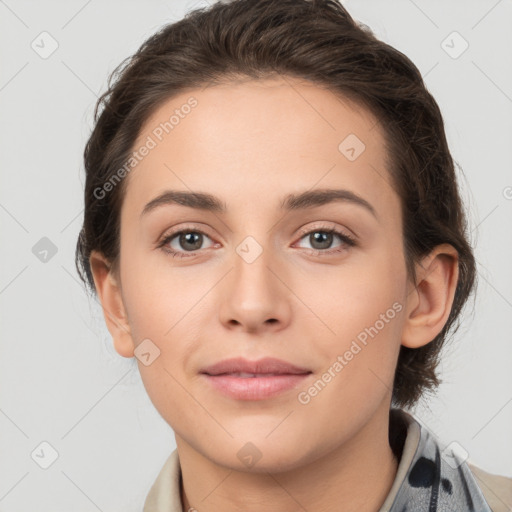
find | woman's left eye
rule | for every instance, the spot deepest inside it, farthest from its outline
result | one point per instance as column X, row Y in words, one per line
column 192, row 240
column 323, row 237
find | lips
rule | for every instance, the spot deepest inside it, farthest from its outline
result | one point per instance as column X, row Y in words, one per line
column 243, row 368
column 241, row 379
column 244, row 375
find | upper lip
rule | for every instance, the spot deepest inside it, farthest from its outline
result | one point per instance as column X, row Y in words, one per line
column 261, row 366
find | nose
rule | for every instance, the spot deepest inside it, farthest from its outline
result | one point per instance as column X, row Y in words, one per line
column 255, row 297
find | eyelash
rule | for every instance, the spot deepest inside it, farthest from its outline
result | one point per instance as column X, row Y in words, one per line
column 348, row 241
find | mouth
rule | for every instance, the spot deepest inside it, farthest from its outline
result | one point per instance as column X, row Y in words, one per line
column 244, row 375
column 241, row 379
column 245, row 367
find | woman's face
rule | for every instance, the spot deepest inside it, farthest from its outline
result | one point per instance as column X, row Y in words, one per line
column 263, row 278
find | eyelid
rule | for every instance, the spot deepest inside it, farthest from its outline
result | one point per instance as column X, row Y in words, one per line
column 321, row 225
column 185, row 227
column 327, row 225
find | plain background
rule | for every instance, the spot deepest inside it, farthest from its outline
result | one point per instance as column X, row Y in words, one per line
column 60, row 379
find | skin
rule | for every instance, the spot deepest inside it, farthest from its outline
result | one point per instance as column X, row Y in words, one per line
column 251, row 143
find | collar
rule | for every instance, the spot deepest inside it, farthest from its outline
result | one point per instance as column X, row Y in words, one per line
column 428, row 479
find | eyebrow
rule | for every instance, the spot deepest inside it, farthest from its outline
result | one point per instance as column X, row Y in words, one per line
column 301, row 201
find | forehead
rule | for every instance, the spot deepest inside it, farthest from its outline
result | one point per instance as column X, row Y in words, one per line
column 305, row 110
column 252, row 139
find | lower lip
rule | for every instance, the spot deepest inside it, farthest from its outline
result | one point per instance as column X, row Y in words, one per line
column 254, row 388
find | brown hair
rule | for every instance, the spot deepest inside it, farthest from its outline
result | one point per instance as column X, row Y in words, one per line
column 316, row 40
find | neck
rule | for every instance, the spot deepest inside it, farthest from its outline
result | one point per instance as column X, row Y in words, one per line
column 356, row 476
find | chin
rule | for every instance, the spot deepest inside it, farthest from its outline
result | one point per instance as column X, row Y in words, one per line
column 258, row 453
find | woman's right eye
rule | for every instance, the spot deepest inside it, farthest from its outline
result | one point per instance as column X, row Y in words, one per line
column 190, row 240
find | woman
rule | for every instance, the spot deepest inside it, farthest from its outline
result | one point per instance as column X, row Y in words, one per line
column 307, row 166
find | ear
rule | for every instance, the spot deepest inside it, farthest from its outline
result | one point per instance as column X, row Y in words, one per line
column 110, row 297
column 430, row 302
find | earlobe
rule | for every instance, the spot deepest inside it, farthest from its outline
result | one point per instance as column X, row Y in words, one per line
column 109, row 295
column 430, row 302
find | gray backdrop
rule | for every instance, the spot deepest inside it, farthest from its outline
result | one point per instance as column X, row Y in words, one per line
column 63, row 385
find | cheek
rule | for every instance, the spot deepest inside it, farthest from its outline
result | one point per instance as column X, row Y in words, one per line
column 363, row 308
column 158, row 296
column 165, row 305
column 161, row 309
column 360, row 359
column 353, row 296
